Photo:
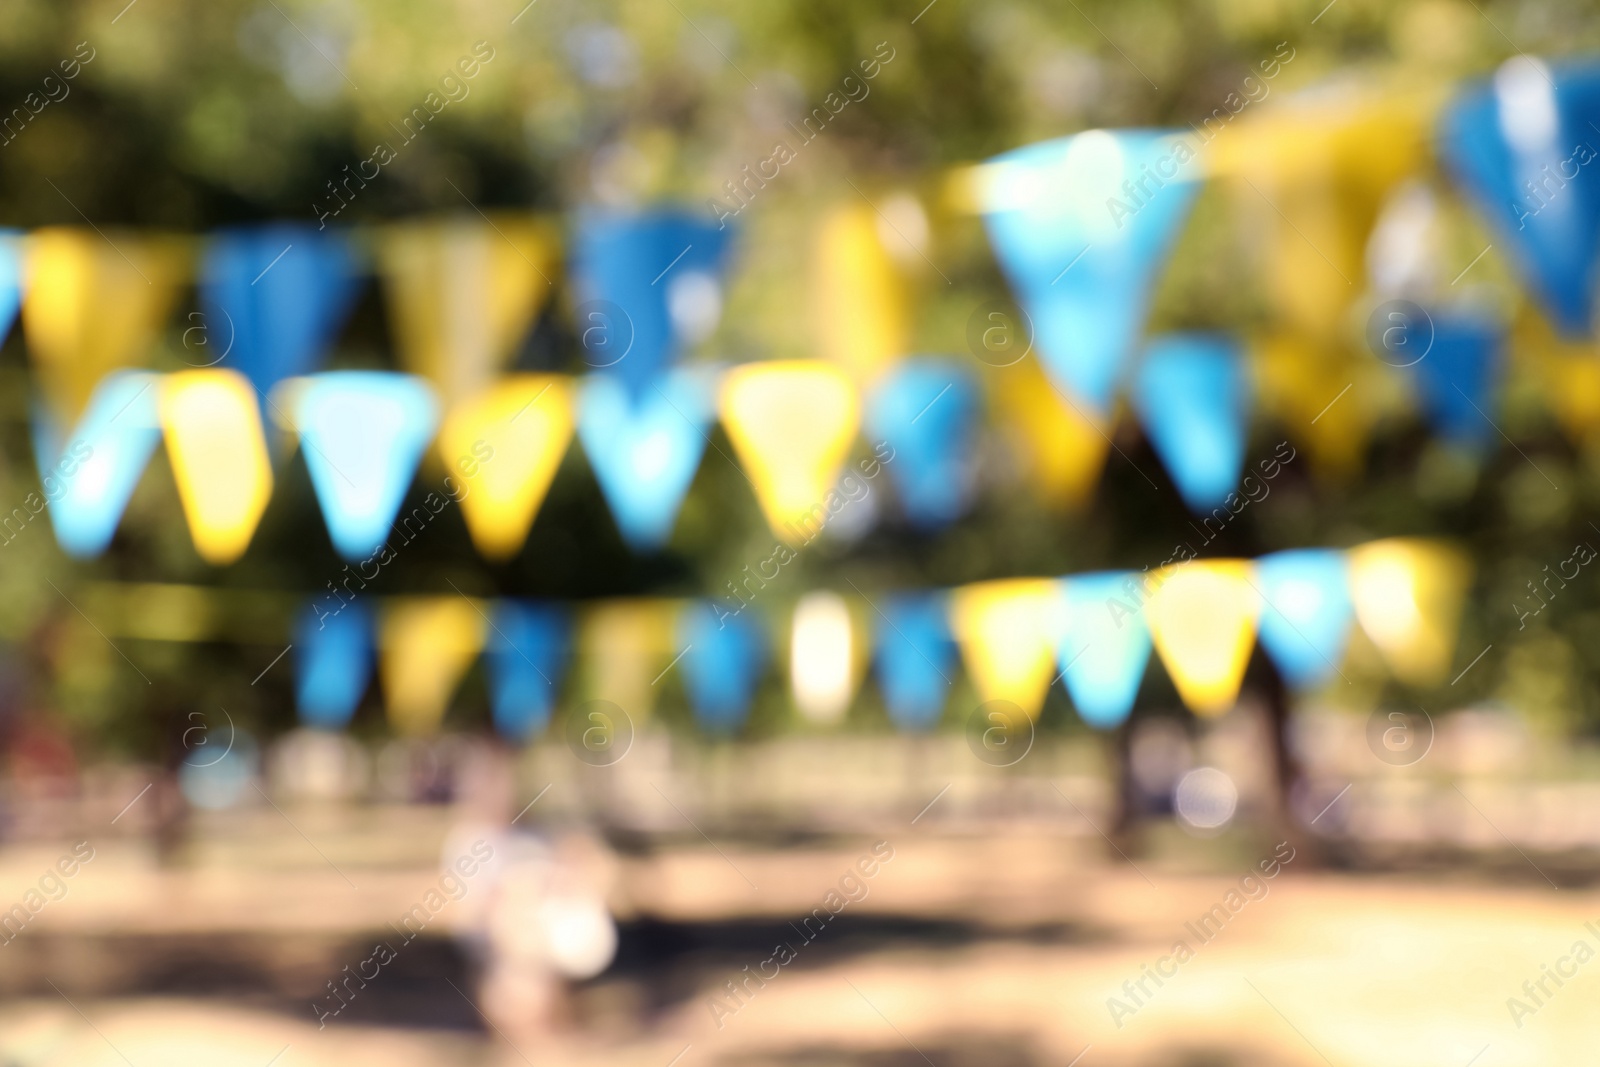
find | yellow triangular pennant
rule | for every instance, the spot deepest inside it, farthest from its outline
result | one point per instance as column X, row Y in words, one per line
column 792, row 424
column 427, row 645
column 1408, row 594
column 212, row 424
column 1316, row 170
column 861, row 299
column 462, row 294
column 623, row 644
column 1062, row 447
column 1202, row 618
column 92, row 306
column 504, row 447
column 1008, row 631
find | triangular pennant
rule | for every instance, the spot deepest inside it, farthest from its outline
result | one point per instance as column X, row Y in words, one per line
column 526, row 656
column 647, row 284
column 1082, row 226
column 1060, row 446
column 927, row 410
column 333, row 661
column 505, row 446
column 1522, row 145
column 1008, row 632
column 645, row 451
column 1104, row 645
column 624, row 644
column 89, row 478
column 915, row 659
column 792, row 424
column 1568, row 375
column 92, row 307
column 274, row 297
column 1459, row 376
column 1408, row 595
column 825, row 654
column 427, row 645
column 364, row 433
column 1315, row 170
column 1325, row 398
column 212, row 423
column 1202, row 618
column 1193, row 400
column 13, row 261
column 722, row 663
column 861, row 299
column 1306, row 613
column 463, row 293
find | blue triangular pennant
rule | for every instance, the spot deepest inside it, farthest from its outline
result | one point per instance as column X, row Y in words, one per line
column 722, row 662
column 527, row 656
column 12, row 278
column 89, row 478
column 1457, row 378
column 333, row 661
column 363, row 434
column 1104, row 645
column 1525, row 147
column 1082, row 226
column 927, row 410
column 646, row 284
column 1306, row 612
column 274, row 298
column 1192, row 397
column 645, row 450
column 915, row 657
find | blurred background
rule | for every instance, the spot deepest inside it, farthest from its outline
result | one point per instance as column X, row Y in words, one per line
column 821, row 618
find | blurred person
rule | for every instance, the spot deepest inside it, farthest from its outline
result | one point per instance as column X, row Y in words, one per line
column 534, row 917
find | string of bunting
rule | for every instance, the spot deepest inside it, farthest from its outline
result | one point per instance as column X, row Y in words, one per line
column 1013, row 637
column 1082, row 227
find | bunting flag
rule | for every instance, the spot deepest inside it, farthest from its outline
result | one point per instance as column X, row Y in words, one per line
column 526, row 658
column 645, row 450
column 1008, row 632
column 274, row 299
column 364, row 434
column 862, row 312
column 1315, row 169
column 427, row 644
column 1521, row 145
column 792, row 424
column 662, row 271
column 823, row 657
column 1082, row 226
column 927, row 410
column 1326, row 398
column 915, row 658
column 212, row 423
column 1202, row 618
column 89, row 479
column 12, row 277
column 1568, row 375
column 1105, row 645
column 624, row 644
column 463, row 293
column 505, row 447
column 1408, row 595
column 333, row 660
column 1061, row 447
column 92, row 307
column 1306, row 613
column 1458, row 377
column 723, row 658
column 1191, row 395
